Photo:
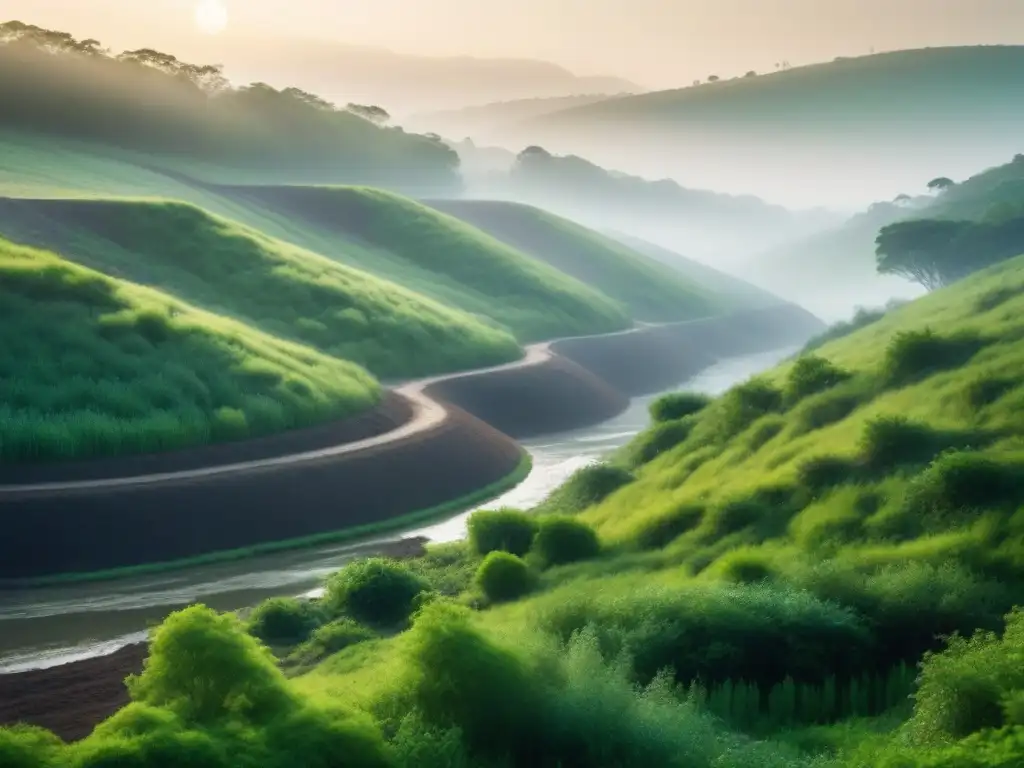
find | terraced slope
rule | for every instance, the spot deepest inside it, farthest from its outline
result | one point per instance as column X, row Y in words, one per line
column 652, row 291
column 91, row 365
column 444, row 258
column 279, row 288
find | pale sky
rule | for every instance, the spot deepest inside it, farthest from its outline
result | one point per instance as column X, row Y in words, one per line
column 657, row 43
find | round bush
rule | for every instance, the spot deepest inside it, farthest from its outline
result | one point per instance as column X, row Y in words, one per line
column 503, row 576
column 677, row 405
column 505, row 530
column 285, row 620
column 375, row 590
column 330, row 639
column 811, row 374
column 565, row 540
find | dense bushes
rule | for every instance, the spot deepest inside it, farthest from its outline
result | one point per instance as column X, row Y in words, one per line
column 677, row 405
column 375, row 590
column 913, row 355
column 507, row 530
column 586, row 487
column 563, row 540
column 329, row 639
column 744, row 404
column 656, row 440
column 503, row 576
column 285, row 620
column 811, row 374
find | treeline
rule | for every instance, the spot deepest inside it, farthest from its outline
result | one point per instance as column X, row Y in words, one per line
column 149, row 101
column 937, row 252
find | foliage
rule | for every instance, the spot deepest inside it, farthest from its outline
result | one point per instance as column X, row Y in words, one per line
column 285, row 620
column 677, row 405
column 562, row 539
column 375, row 590
column 506, row 530
column 861, row 318
column 94, row 366
column 913, row 355
column 586, row 487
column 331, row 638
column 656, row 440
column 503, row 576
column 810, row 375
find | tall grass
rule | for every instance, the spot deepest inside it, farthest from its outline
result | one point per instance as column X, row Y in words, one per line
column 92, row 366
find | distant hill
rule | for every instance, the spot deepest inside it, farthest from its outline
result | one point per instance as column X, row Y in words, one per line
column 150, row 102
column 651, row 291
column 482, row 120
column 907, row 113
column 402, row 83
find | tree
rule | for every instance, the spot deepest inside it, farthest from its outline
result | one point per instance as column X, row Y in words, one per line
column 714, row 79
column 901, row 199
column 309, row 99
column 751, row 73
column 940, row 184
column 371, row 112
column 921, row 250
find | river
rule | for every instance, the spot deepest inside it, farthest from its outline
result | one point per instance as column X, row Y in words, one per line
column 53, row 625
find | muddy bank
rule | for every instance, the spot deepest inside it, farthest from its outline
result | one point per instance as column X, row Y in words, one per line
column 88, row 529
column 392, row 412
column 654, row 358
column 554, row 395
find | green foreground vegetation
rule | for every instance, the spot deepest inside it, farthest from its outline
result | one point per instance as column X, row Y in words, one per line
column 821, row 568
column 91, row 365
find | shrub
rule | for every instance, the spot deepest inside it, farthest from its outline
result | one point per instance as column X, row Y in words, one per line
column 743, row 566
column 503, row 576
column 818, row 411
column 914, row 355
column 811, row 374
column 507, row 530
column 285, row 620
column 586, row 487
column 375, row 590
column 25, row 746
column 821, row 473
column 764, row 430
column 563, row 540
column 656, row 440
column 330, row 639
column 889, row 442
column 676, row 405
column 662, row 530
column 986, row 390
column 964, row 688
column 744, row 404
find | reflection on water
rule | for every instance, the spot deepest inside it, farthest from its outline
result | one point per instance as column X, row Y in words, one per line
column 55, row 625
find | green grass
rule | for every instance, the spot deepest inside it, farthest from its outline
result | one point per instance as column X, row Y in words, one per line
column 273, row 286
column 447, row 259
column 92, row 366
column 652, row 291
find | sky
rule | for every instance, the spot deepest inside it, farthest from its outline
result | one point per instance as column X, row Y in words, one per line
column 655, row 43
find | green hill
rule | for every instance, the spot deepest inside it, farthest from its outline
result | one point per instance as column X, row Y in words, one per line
column 440, row 256
column 651, row 291
column 91, row 365
column 279, row 288
column 732, row 290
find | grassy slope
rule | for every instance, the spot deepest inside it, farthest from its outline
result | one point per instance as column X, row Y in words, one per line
column 862, row 506
column 278, row 288
column 90, row 365
column 443, row 257
column 734, row 291
column 652, row 291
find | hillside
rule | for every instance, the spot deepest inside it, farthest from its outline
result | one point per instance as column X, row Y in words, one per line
column 151, row 102
column 444, row 258
column 652, row 292
column 90, row 366
column 279, row 288
column 733, row 290
column 909, row 112
column 480, row 120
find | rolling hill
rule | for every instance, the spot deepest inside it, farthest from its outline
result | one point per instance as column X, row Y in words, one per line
column 909, row 112
column 651, row 291
column 281, row 289
column 91, row 365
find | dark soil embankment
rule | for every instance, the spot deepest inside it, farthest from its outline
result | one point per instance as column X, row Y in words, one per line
column 392, row 412
column 654, row 358
column 555, row 395
column 81, row 530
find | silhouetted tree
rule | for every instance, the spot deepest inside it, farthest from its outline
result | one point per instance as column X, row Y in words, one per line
column 751, row 73
column 370, row 112
column 714, row 79
column 901, row 199
column 940, row 184
column 917, row 250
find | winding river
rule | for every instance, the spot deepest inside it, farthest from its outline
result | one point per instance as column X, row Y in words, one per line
column 49, row 626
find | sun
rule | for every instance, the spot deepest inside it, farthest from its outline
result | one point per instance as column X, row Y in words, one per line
column 211, row 16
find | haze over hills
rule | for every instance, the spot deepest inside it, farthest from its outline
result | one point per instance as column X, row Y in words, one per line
column 843, row 133
column 483, row 120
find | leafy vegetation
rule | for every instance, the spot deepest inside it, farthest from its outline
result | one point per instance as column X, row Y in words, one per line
column 375, row 591
column 562, row 539
column 280, row 289
column 502, row 576
column 501, row 530
column 94, row 366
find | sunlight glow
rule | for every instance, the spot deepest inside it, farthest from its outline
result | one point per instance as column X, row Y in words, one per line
column 211, row 16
